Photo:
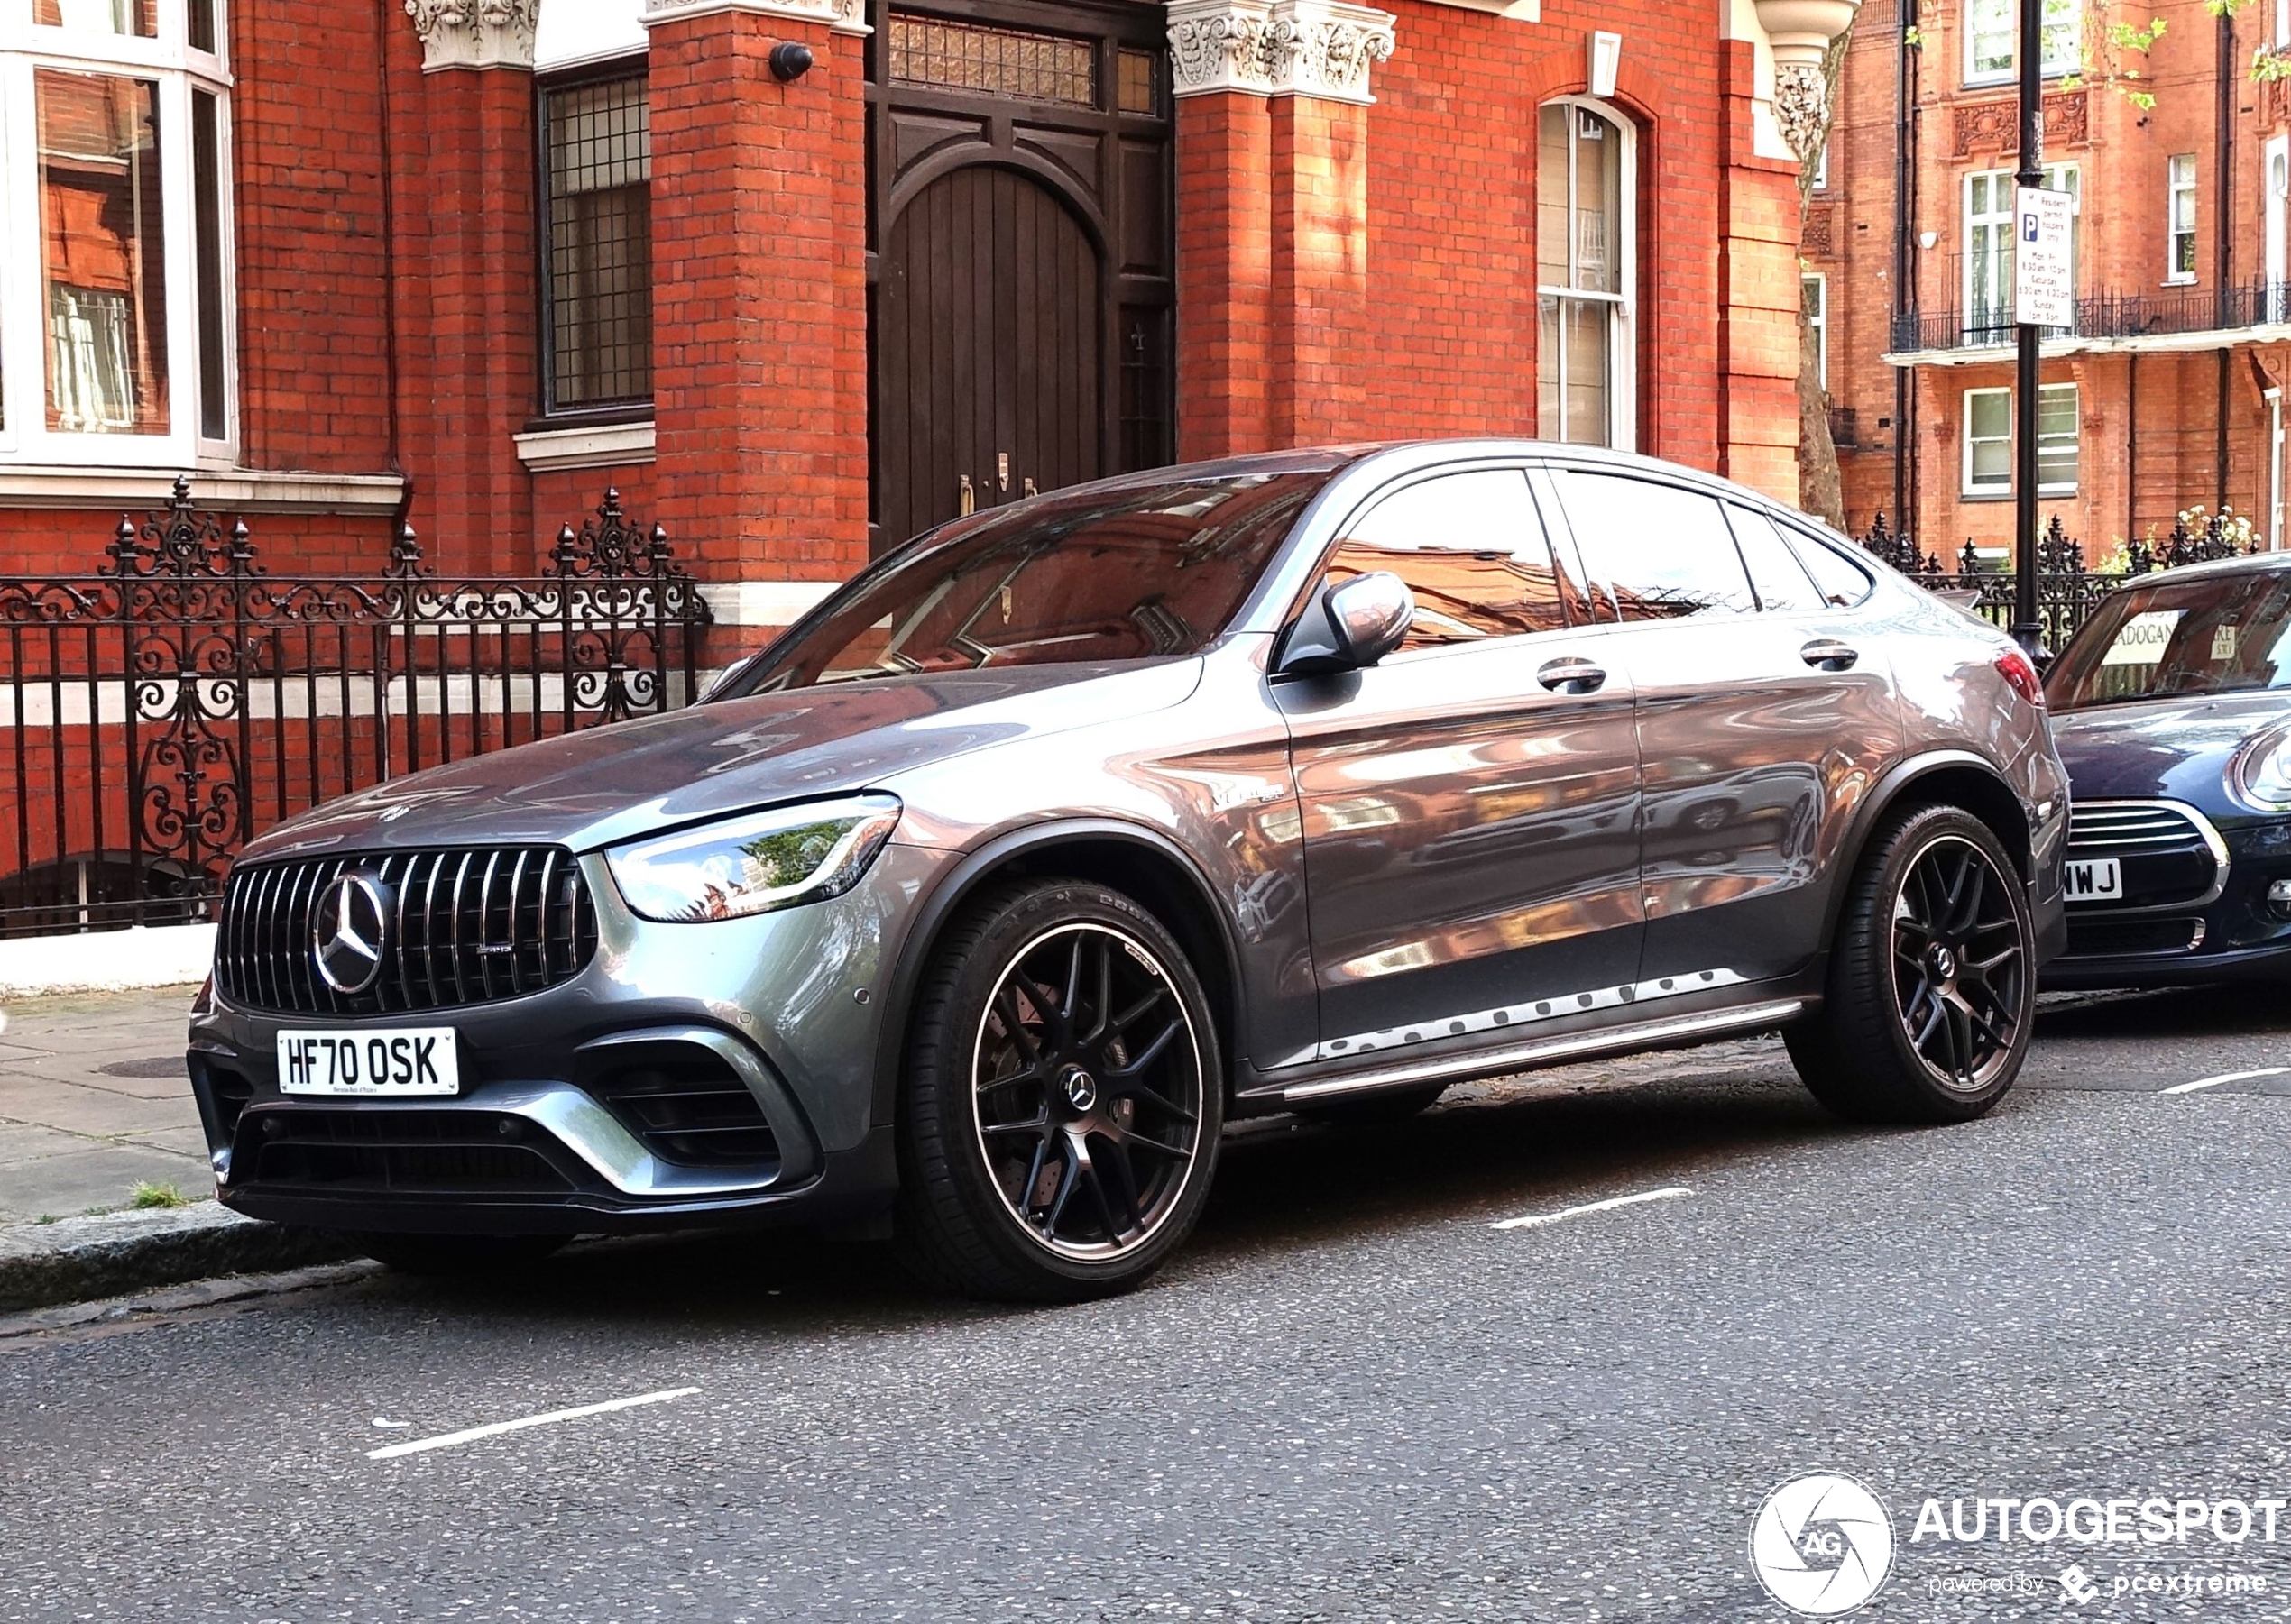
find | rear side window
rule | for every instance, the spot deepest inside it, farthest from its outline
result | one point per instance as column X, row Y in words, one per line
column 1842, row 582
column 1775, row 571
column 1662, row 552
column 1471, row 549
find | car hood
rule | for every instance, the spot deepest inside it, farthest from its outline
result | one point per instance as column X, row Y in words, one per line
column 599, row 785
column 2176, row 749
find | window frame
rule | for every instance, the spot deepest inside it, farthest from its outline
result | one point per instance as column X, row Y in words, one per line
column 2180, row 183
column 1623, row 385
column 179, row 70
column 548, row 413
column 2004, row 491
column 2054, row 69
column 1818, row 318
column 1578, row 596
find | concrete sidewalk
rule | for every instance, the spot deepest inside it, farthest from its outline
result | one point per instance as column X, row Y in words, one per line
column 93, row 1101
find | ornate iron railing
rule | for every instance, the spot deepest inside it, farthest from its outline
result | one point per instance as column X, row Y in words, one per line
column 159, row 713
column 2108, row 314
column 2066, row 590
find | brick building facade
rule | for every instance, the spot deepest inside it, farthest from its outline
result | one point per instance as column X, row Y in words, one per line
column 466, row 262
column 2169, row 392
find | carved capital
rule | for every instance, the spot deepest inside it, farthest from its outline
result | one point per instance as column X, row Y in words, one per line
column 1318, row 47
column 474, row 33
column 1801, row 106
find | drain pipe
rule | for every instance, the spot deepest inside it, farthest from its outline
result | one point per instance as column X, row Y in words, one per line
column 2223, row 228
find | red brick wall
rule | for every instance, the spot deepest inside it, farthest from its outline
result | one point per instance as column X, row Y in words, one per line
column 759, row 298
column 1314, row 307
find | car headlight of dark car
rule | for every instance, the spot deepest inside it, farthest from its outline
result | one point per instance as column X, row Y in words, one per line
column 2260, row 775
column 754, row 862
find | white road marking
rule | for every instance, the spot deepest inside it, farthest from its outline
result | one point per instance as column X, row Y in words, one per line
column 2225, row 1076
column 1537, row 1220
column 447, row 1439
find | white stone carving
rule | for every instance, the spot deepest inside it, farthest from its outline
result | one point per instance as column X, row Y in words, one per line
column 1801, row 106
column 844, row 16
column 475, row 33
column 1318, row 47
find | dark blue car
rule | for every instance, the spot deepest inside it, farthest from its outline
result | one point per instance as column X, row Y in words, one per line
column 2172, row 709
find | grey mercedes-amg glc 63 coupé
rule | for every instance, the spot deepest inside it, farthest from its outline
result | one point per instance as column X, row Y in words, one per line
column 982, row 899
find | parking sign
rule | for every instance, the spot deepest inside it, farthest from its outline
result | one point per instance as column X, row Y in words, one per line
column 2044, row 281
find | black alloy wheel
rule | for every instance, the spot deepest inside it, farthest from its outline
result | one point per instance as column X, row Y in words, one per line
column 1932, row 988
column 1064, row 1097
column 1087, row 1091
column 1960, row 971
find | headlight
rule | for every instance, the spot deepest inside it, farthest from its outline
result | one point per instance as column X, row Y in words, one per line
column 754, row 863
column 2261, row 776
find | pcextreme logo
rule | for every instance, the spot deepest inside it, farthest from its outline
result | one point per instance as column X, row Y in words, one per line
column 1822, row 1545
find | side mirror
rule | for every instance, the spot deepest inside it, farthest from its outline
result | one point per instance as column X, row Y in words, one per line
column 1349, row 625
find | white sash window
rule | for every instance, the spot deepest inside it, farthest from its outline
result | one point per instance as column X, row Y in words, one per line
column 118, row 310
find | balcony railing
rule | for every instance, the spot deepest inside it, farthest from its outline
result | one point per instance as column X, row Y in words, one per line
column 2109, row 315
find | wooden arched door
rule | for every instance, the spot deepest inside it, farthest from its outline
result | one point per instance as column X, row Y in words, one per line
column 987, row 349
column 1021, row 265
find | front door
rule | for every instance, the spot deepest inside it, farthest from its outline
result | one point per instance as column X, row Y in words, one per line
column 1470, row 805
column 1020, row 269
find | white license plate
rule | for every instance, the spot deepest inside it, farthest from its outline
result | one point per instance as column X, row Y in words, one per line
column 2092, row 880
column 398, row 1063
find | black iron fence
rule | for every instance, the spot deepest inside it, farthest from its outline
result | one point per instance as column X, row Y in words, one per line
column 157, row 714
column 2067, row 589
column 2103, row 314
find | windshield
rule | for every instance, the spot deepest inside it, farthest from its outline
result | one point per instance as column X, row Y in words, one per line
column 1145, row 572
column 2213, row 634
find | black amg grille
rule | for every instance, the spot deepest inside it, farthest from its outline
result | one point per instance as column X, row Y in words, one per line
column 690, row 1108
column 458, row 927
column 430, row 1152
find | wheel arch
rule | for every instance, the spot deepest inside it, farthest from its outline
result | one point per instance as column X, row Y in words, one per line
column 1140, row 862
column 1942, row 777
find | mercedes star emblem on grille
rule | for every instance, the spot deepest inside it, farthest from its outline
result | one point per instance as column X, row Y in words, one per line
column 346, row 933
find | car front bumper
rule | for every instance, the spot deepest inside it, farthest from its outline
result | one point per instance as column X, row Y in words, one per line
column 575, row 1112
column 2238, row 934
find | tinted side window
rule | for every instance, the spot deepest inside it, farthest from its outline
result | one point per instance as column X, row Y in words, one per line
column 1471, row 549
column 1663, row 552
column 1842, row 582
column 1782, row 581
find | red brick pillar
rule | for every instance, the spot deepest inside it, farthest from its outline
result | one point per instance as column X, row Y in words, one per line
column 1273, row 219
column 480, row 343
column 759, row 291
column 1321, row 356
column 1758, row 291
column 1224, row 274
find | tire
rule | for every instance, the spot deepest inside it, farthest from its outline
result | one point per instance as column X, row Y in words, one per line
column 1374, row 1110
column 1036, row 1184
column 1932, row 982
column 457, row 1257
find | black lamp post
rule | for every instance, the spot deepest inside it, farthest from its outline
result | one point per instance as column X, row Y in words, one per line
column 2027, row 627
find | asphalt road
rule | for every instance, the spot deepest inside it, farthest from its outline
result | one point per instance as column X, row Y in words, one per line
column 1352, row 1397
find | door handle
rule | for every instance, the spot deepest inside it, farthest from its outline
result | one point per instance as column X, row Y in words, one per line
column 1572, row 676
column 966, row 500
column 1827, row 653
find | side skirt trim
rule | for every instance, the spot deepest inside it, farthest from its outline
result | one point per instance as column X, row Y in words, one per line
column 1520, row 1056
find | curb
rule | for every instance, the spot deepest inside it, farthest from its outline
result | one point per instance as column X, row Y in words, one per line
column 107, row 1255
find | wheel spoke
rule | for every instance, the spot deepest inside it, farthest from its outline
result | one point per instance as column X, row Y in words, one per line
column 1067, row 1183
column 1117, row 1184
column 1104, row 1012
column 1037, row 1123
column 1014, row 1026
column 1146, row 1056
column 1146, row 1141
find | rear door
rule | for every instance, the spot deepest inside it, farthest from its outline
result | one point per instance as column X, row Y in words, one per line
column 1764, row 713
column 1470, row 805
